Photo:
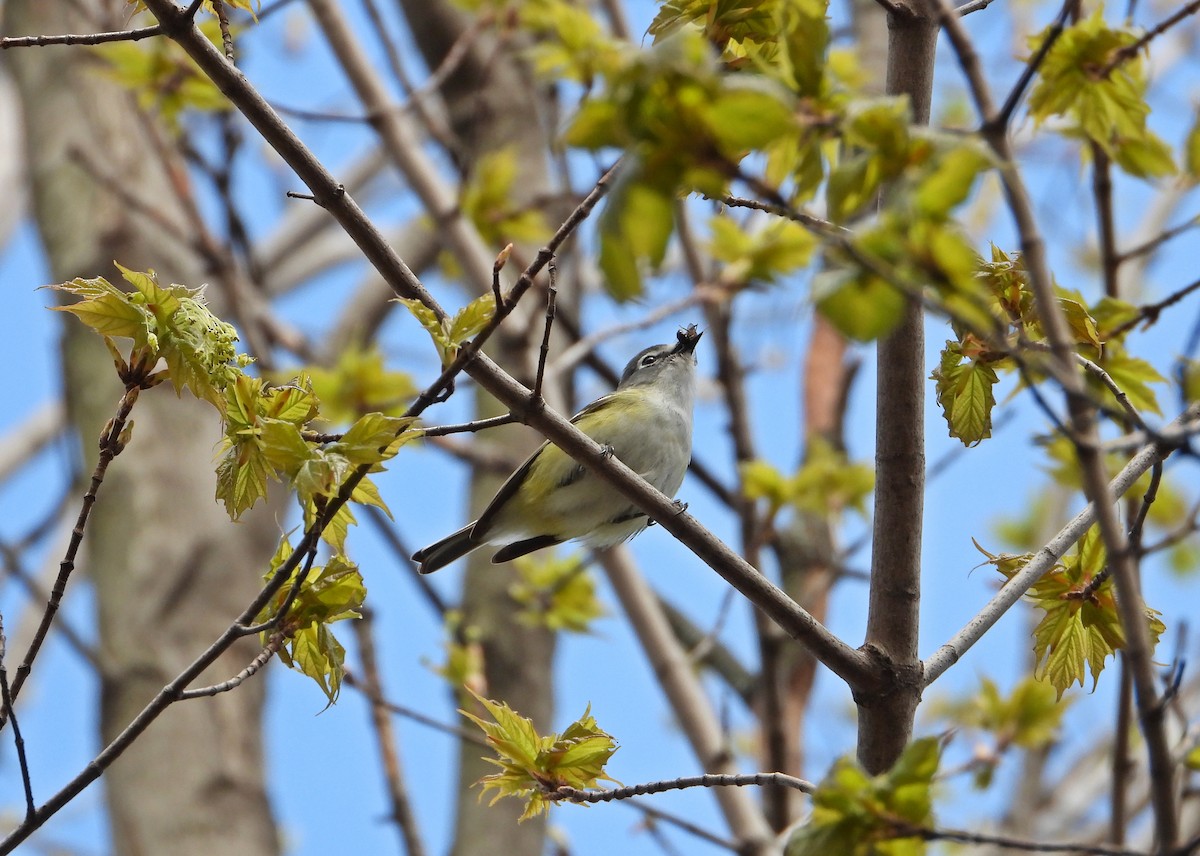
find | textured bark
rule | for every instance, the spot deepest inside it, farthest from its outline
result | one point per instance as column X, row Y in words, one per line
column 893, row 615
column 170, row 570
column 492, row 102
column 807, row 549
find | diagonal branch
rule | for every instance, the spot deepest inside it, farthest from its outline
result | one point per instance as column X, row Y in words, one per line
column 840, row 657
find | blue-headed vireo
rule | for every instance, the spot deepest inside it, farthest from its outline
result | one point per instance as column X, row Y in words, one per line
column 551, row 498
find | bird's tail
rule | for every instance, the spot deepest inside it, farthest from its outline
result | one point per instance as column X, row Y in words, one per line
column 441, row 553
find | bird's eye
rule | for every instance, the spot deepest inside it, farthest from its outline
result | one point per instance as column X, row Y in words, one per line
column 649, row 359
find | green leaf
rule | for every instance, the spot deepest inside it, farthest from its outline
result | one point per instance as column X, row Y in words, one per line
column 964, row 392
column 531, row 764
column 1133, row 375
column 1191, row 151
column 1108, row 109
column 859, row 304
column 828, row 482
column 855, row 814
column 763, row 256
column 242, row 476
column 634, row 229
column 472, row 318
column 360, row 383
column 950, row 181
column 328, row 594
column 760, row 480
column 162, row 77
column 432, row 324
column 1030, row 716
column 374, row 438
column 487, row 200
column 109, row 311
column 749, row 115
column 1081, row 628
column 556, row 593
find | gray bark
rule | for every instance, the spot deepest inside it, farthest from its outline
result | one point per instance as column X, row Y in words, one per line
column 169, row 568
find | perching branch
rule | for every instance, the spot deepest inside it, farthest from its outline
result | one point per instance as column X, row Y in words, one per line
column 840, row 657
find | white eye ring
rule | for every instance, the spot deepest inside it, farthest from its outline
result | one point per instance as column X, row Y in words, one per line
column 649, row 359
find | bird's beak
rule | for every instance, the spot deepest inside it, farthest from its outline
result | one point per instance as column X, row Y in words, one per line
column 687, row 338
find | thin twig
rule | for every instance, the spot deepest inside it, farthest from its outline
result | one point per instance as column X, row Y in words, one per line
column 469, row 427
column 293, row 592
column 81, row 38
column 1004, row 116
column 1134, row 48
column 467, row 735
column 1150, row 312
column 223, row 22
column 1122, row 764
column 907, row 830
column 274, row 643
column 110, row 447
column 1102, row 190
column 1112, row 386
column 972, row 6
column 385, row 738
column 1160, row 239
column 706, row 781
column 544, row 352
column 18, row 741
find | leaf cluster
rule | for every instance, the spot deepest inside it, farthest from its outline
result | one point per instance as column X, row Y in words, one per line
column 449, row 334
column 327, row 593
column 267, row 437
column 533, row 766
column 1081, row 627
column 163, row 77
column 1097, row 100
column 998, row 319
column 826, row 484
column 169, row 323
column 556, row 593
column 855, row 814
column 1029, row 717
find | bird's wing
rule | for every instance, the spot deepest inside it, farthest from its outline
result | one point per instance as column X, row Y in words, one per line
column 513, row 483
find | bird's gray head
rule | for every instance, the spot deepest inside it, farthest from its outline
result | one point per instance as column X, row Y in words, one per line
column 650, row 364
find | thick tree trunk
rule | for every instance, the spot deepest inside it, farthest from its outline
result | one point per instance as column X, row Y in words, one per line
column 492, row 102
column 170, row 570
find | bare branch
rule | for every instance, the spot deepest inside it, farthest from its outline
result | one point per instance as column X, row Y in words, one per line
column 1131, row 50
column 274, row 643
column 110, row 447
column 683, row 690
column 707, row 781
column 950, row 652
column 81, row 39
column 385, row 738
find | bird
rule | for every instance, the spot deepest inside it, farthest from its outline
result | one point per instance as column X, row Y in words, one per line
column 551, row 498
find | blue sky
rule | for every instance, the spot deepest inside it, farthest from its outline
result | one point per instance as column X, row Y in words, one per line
column 604, row 669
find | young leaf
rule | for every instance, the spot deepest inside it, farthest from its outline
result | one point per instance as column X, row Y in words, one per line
column 533, row 766
column 556, row 593
column 328, row 594
column 472, row 318
column 1081, row 627
column 964, row 392
column 855, row 814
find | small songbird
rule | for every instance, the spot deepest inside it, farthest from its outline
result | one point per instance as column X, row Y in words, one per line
column 551, row 498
